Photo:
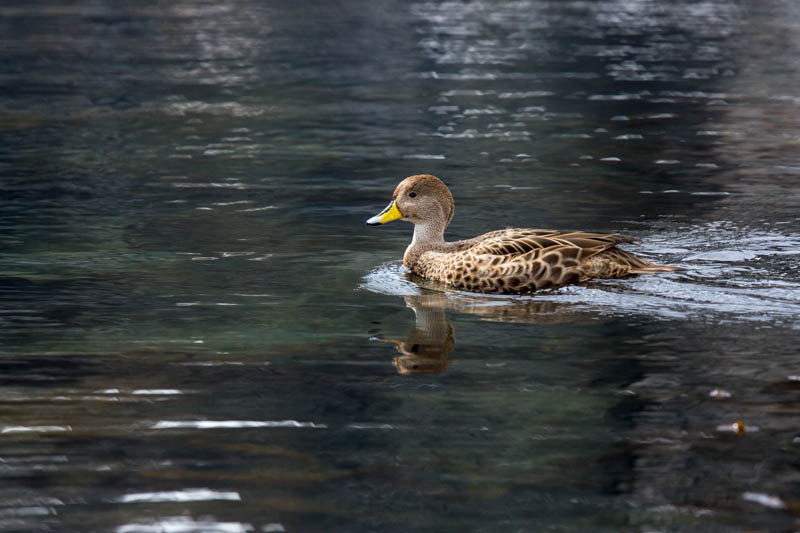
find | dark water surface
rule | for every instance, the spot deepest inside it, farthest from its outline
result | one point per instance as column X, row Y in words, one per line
column 199, row 333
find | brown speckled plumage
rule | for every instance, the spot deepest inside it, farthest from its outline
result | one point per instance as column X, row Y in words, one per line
column 511, row 260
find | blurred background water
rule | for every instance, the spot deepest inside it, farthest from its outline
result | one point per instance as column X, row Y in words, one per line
column 198, row 333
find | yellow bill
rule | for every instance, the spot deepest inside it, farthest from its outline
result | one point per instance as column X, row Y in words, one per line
column 387, row 215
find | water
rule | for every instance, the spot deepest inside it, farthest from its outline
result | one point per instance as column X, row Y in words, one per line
column 199, row 333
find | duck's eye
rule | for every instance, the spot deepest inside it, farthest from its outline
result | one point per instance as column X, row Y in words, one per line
column 412, row 195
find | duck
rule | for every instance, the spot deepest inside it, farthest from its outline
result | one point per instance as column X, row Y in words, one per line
column 512, row 260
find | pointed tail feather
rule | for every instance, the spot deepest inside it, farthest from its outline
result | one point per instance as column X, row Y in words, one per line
column 652, row 268
column 618, row 263
column 637, row 265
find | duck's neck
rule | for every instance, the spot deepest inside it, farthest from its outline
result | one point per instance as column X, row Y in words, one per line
column 427, row 236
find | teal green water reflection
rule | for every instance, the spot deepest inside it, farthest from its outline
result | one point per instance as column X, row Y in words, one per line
column 199, row 333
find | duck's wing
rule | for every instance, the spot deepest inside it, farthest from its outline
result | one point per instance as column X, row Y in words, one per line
column 515, row 242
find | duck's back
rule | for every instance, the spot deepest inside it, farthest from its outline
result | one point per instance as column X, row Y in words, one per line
column 520, row 260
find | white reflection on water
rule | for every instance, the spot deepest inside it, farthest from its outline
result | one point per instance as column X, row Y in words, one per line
column 370, row 426
column 185, row 495
column 229, row 424
column 34, row 429
column 26, row 511
column 764, row 499
column 182, row 524
column 226, row 108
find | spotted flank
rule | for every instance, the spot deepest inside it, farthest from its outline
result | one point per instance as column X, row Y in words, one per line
column 505, row 261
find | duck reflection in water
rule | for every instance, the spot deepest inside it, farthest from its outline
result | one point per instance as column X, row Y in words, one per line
column 425, row 348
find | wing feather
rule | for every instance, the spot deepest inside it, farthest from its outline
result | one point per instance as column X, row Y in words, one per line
column 514, row 242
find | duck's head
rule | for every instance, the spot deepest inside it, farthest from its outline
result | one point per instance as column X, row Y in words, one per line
column 421, row 199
